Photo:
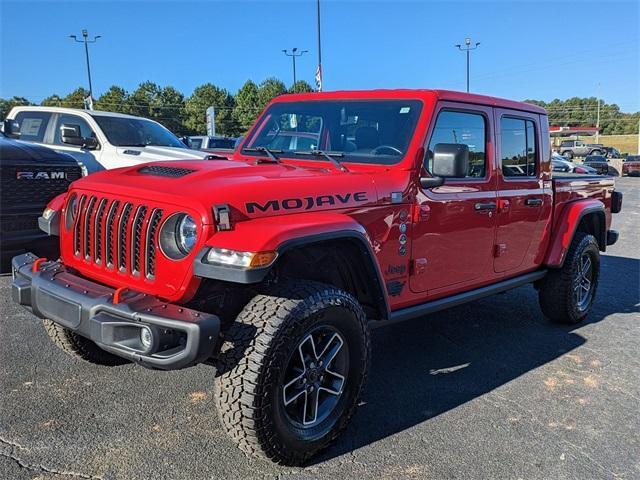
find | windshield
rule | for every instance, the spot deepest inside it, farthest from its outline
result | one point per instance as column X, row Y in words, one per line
column 136, row 132
column 364, row 131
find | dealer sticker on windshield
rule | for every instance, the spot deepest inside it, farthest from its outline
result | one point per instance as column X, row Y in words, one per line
column 405, row 109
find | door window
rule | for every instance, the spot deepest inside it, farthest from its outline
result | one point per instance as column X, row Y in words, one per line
column 461, row 127
column 85, row 129
column 518, row 147
column 33, row 125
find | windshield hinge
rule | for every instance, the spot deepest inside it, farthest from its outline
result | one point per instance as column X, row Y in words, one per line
column 222, row 215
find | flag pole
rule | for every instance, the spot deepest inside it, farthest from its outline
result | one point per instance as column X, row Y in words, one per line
column 319, row 70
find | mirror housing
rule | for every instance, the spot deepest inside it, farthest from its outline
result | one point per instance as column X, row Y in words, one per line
column 11, row 128
column 451, row 160
column 70, row 134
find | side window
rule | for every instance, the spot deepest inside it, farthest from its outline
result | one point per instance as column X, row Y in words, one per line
column 518, row 147
column 33, row 125
column 85, row 129
column 461, row 127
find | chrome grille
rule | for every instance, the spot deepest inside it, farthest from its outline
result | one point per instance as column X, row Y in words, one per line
column 117, row 234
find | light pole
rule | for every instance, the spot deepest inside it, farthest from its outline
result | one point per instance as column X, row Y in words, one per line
column 86, row 41
column 294, row 53
column 467, row 48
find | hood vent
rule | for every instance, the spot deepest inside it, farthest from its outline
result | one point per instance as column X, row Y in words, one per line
column 161, row 171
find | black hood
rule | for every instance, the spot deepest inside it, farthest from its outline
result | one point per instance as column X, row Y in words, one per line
column 12, row 151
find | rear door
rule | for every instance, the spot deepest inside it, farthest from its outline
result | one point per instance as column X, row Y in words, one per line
column 524, row 191
column 454, row 227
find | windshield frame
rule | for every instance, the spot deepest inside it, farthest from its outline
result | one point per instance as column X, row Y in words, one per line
column 109, row 135
column 349, row 157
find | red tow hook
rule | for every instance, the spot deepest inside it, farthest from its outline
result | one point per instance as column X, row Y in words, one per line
column 117, row 294
column 36, row 265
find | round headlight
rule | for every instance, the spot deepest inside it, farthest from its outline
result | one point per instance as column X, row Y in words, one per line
column 178, row 236
column 72, row 211
column 186, row 234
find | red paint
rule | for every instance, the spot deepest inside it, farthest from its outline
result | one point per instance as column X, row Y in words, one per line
column 451, row 245
column 36, row 265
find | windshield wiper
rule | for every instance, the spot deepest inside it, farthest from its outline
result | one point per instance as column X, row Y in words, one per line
column 329, row 155
column 270, row 153
column 134, row 145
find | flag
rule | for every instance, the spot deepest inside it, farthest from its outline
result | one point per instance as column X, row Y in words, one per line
column 319, row 78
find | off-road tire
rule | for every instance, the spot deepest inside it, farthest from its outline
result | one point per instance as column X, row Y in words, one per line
column 257, row 348
column 568, row 154
column 556, row 290
column 79, row 347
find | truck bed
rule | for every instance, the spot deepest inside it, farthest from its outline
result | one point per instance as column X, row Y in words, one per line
column 570, row 187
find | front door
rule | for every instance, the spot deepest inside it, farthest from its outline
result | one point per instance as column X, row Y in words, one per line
column 454, row 224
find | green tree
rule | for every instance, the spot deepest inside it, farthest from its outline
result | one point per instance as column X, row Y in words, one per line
column 196, row 106
column 75, row 99
column 246, row 108
column 144, row 101
column 116, row 99
column 301, row 86
column 52, row 101
column 7, row 104
column 268, row 90
column 171, row 104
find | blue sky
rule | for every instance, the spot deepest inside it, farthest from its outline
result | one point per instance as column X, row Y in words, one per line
column 542, row 50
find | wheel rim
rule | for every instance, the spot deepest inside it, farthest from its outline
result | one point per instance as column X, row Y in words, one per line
column 315, row 377
column 583, row 282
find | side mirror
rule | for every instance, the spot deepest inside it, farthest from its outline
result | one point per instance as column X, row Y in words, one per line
column 451, row 160
column 11, row 128
column 70, row 135
column 90, row 143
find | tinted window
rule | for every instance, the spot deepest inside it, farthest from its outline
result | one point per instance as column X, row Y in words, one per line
column 195, row 143
column 33, row 125
column 518, row 147
column 365, row 131
column 566, row 144
column 465, row 128
column 222, row 143
column 85, row 129
column 136, row 132
column 633, row 158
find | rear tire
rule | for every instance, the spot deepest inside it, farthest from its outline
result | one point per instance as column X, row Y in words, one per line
column 566, row 294
column 568, row 154
column 271, row 377
column 80, row 347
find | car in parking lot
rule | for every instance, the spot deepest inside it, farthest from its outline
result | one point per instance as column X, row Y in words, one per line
column 31, row 176
column 578, row 148
column 204, row 142
column 612, row 152
column 99, row 140
column 631, row 166
column 599, row 162
column 561, row 164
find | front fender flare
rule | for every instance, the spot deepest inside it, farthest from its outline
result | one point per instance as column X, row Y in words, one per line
column 281, row 234
column 566, row 226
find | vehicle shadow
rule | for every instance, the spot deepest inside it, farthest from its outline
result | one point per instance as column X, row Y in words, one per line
column 428, row 366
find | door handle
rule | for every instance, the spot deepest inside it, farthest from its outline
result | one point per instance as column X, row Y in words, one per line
column 533, row 202
column 485, row 206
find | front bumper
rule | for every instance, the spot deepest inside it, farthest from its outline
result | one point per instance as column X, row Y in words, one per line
column 181, row 337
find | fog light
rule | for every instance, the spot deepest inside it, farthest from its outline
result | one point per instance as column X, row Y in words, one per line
column 146, row 338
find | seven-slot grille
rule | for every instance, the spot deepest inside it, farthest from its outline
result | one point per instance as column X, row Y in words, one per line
column 119, row 235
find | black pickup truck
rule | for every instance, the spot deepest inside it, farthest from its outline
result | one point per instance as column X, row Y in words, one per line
column 31, row 176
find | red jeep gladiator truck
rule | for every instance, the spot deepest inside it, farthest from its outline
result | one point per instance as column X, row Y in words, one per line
column 338, row 213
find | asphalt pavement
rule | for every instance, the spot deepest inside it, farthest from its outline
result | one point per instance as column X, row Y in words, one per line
column 485, row 390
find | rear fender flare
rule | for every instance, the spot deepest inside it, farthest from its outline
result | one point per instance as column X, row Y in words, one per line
column 566, row 226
